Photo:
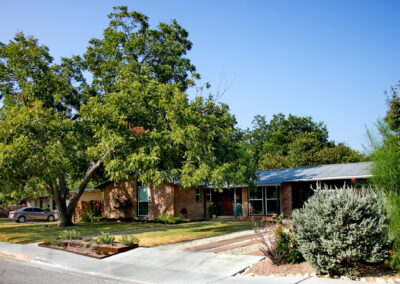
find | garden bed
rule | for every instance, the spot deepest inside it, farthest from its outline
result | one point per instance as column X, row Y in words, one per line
column 370, row 273
column 90, row 249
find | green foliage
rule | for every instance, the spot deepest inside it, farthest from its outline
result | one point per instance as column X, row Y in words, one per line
column 87, row 216
column 279, row 245
column 393, row 113
column 168, row 219
column 128, row 240
column 87, row 239
column 293, row 142
column 106, row 239
column 287, row 248
column 60, row 133
column 393, row 208
column 214, row 209
column 69, row 235
column 58, row 243
column 92, row 215
column 386, row 176
column 336, row 230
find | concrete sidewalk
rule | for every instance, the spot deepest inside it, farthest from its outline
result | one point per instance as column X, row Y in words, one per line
column 154, row 265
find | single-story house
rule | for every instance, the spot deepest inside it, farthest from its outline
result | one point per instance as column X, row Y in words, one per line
column 276, row 192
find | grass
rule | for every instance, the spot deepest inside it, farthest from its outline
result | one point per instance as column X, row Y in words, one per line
column 4, row 220
column 36, row 232
column 189, row 231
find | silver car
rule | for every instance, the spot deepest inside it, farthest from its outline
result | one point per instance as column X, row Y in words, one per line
column 32, row 213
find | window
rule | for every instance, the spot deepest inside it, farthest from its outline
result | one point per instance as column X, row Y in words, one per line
column 198, row 194
column 143, row 200
column 264, row 200
column 272, row 200
column 28, row 210
column 38, row 210
column 208, row 195
column 256, row 201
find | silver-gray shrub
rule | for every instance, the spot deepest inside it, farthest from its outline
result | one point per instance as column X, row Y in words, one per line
column 338, row 229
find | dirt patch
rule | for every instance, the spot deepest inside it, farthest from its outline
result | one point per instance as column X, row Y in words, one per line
column 372, row 273
column 266, row 267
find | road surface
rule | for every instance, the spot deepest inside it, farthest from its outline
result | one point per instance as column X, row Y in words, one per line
column 15, row 272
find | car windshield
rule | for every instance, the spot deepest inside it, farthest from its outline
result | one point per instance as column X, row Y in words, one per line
column 38, row 210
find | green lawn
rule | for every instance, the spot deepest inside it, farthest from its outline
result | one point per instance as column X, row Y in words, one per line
column 4, row 220
column 35, row 232
column 190, row 231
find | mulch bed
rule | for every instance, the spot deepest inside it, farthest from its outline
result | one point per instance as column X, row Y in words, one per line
column 374, row 273
column 90, row 249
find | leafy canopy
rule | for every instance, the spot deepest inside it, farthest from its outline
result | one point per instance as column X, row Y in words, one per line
column 295, row 141
column 61, row 132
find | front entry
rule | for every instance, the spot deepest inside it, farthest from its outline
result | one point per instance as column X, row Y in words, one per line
column 229, row 202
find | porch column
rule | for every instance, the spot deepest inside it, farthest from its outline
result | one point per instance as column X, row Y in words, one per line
column 286, row 198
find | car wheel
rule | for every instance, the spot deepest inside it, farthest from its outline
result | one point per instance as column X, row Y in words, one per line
column 50, row 218
column 21, row 219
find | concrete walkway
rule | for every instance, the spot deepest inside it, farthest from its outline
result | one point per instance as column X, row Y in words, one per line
column 154, row 265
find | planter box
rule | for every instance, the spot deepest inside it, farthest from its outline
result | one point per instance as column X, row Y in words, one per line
column 114, row 249
column 89, row 248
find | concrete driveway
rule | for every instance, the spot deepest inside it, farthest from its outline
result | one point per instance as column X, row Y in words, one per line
column 147, row 265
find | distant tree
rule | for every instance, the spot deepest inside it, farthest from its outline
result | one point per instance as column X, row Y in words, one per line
column 294, row 142
column 57, row 131
column 392, row 117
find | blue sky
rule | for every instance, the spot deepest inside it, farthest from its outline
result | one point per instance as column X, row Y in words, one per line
column 331, row 60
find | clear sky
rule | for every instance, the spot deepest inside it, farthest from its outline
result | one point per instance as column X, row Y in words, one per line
column 331, row 60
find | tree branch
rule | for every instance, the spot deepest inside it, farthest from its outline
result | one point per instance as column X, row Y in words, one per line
column 82, row 186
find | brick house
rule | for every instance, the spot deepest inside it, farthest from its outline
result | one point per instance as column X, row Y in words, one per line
column 276, row 191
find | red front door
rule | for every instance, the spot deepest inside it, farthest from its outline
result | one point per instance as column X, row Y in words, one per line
column 227, row 204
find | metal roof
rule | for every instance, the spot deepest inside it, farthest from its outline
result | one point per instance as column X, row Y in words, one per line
column 323, row 172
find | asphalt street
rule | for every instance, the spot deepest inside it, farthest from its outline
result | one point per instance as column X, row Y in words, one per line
column 15, row 272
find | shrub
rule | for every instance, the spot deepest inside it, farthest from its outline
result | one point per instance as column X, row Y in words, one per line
column 87, row 239
column 128, row 240
column 87, row 216
column 106, row 238
column 337, row 230
column 58, row 243
column 69, row 235
column 287, row 248
column 98, row 218
column 393, row 208
column 279, row 245
column 167, row 219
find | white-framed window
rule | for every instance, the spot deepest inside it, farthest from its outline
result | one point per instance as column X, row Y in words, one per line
column 198, row 194
column 209, row 195
column 256, row 201
column 143, row 200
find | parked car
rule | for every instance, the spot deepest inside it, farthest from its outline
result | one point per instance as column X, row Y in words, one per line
column 32, row 213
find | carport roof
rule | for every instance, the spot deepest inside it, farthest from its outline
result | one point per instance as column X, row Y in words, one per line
column 316, row 173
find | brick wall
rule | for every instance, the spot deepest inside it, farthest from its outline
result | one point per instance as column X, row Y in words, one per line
column 245, row 202
column 161, row 200
column 120, row 200
column 186, row 198
column 286, row 198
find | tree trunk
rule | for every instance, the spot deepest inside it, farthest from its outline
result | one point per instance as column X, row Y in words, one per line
column 60, row 193
column 65, row 219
